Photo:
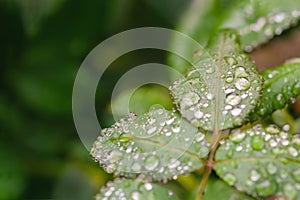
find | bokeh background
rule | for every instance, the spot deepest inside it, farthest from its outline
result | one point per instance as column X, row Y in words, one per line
column 42, row 44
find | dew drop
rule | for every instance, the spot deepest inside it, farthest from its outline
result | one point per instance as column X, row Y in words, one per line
column 242, row 84
column 293, row 152
column 176, row 129
column 136, row 195
column 136, row 167
column 266, row 188
column 237, row 137
column 230, row 60
column 254, row 175
column 151, row 163
column 199, row 137
column 296, row 88
column 148, row 186
column 271, row 168
column 210, row 70
column 151, row 130
column 173, row 163
column 273, row 129
column 209, row 96
column 233, row 100
column 290, row 191
column 257, row 142
column 240, row 72
column 198, row 114
column 115, row 156
column 296, row 175
column 236, row 111
column 230, row 178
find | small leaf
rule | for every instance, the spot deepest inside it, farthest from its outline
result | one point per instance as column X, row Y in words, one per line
column 134, row 190
column 281, row 86
column 221, row 89
column 259, row 21
column 158, row 144
column 261, row 161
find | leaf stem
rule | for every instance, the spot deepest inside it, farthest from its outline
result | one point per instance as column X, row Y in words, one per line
column 208, row 167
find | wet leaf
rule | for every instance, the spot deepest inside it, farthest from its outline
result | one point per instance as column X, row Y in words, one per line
column 218, row 189
column 134, row 190
column 281, row 86
column 261, row 161
column 221, row 89
column 158, row 144
column 259, row 21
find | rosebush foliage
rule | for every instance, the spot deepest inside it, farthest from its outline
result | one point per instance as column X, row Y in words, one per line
column 222, row 118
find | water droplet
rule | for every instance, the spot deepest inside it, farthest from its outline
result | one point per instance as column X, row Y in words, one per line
column 257, row 142
column 199, row 137
column 242, row 84
column 173, row 163
column 210, row 70
column 136, row 195
column 286, row 127
column 136, row 167
column 209, row 96
column 272, row 143
column 169, row 133
column 290, row 191
column 296, row 175
column 233, row 100
column 296, row 88
column 176, row 129
column 236, row 111
column 266, row 188
column 230, row 178
column 148, row 186
column 198, row 114
column 273, row 129
column 239, row 148
column 240, row 72
column 271, row 168
column 230, row 60
column 151, row 130
column 115, row 156
column 237, row 137
column 151, row 163
column 170, row 121
column 293, row 152
column 254, row 175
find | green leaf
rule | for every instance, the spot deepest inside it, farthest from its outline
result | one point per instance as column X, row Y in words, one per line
column 259, row 21
column 218, row 189
column 221, row 89
column 281, row 86
column 158, row 144
column 135, row 190
column 261, row 161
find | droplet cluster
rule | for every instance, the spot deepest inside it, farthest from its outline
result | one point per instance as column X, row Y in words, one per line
column 220, row 89
column 122, row 189
column 281, row 86
column 158, row 144
column 261, row 161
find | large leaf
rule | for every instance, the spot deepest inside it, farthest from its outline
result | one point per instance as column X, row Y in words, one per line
column 134, row 190
column 158, row 144
column 259, row 21
column 281, row 86
column 221, row 89
column 262, row 161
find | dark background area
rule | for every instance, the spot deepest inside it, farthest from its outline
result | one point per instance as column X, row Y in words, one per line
column 42, row 46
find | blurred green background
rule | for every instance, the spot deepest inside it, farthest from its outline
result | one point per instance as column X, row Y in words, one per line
column 43, row 43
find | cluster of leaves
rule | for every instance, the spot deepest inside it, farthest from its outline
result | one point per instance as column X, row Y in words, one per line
column 223, row 122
